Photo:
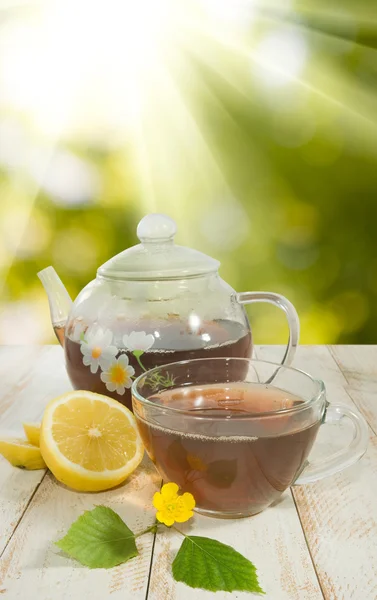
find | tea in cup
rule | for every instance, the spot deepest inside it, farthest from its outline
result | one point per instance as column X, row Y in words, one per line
column 236, row 433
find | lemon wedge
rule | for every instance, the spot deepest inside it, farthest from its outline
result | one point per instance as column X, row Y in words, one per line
column 90, row 442
column 22, row 454
column 32, row 432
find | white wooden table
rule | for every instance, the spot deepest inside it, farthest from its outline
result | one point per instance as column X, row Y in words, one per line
column 319, row 542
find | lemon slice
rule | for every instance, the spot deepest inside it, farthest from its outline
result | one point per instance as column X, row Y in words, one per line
column 22, row 454
column 32, row 432
column 90, row 442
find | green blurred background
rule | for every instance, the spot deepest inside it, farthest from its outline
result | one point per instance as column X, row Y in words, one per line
column 254, row 125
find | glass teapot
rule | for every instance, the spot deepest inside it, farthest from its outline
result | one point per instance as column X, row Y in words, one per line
column 152, row 304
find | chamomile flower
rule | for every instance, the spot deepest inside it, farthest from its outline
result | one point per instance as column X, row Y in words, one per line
column 138, row 340
column 118, row 376
column 97, row 348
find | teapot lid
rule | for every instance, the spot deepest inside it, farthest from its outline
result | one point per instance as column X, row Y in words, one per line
column 157, row 256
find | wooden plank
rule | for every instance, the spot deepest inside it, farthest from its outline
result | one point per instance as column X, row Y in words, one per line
column 358, row 364
column 315, row 360
column 367, row 405
column 339, row 515
column 30, row 377
column 360, row 369
column 33, row 567
column 272, row 540
column 29, row 383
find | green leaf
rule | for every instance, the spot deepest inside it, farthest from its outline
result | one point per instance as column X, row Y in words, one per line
column 205, row 563
column 99, row 538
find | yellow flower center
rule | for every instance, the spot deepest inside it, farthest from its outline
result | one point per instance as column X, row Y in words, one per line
column 96, row 352
column 171, row 508
column 118, row 374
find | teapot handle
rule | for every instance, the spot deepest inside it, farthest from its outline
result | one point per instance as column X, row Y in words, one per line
column 290, row 312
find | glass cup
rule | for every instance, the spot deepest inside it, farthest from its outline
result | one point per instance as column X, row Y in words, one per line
column 236, row 433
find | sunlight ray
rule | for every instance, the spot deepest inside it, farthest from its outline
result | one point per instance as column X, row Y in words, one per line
column 34, row 190
column 177, row 149
column 250, row 53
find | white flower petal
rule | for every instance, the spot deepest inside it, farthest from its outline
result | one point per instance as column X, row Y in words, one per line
column 134, row 339
column 94, row 335
column 138, row 340
column 104, row 363
column 97, row 338
column 85, row 349
column 87, row 337
column 130, row 371
column 107, row 357
column 94, row 365
column 87, row 360
column 78, row 329
column 123, row 360
column 120, row 389
column 148, row 342
column 125, row 341
column 111, row 386
column 105, row 377
column 130, row 341
column 90, row 334
column 110, row 352
column 107, row 337
column 128, row 383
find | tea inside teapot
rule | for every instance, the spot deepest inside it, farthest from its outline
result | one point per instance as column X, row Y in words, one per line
column 163, row 342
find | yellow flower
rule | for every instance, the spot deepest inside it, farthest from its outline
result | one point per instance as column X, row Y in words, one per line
column 172, row 508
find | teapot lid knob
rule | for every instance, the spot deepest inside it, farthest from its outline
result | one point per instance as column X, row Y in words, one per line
column 156, row 228
column 157, row 257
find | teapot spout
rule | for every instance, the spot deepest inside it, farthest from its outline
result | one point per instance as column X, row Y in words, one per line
column 59, row 300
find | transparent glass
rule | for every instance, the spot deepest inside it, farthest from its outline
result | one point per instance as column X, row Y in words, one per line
column 169, row 320
column 236, row 433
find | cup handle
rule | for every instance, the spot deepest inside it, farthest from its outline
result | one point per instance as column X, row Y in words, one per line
column 290, row 312
column 318, row 469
